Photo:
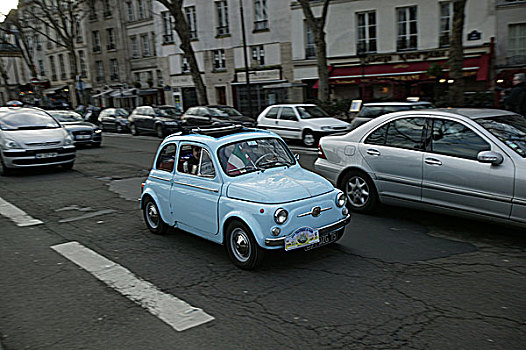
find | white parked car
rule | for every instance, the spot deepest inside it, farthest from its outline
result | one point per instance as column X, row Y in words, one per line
column 305, row 122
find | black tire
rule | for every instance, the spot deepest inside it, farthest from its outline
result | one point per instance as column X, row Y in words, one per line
column 119, row 128
column 361, row 193
column 152, row 217
column 308, row 138
column 4, row 171
column 159, row 131
column 133, row 130
column 68, row 166
column 96, row 144
column 242, row 247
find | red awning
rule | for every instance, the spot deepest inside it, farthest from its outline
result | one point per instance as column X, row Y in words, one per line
column 405, row 71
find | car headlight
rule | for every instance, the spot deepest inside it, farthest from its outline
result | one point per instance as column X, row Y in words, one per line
column 68, row 140
column 341, row 199
column 11, row 144
column 171, row 123
column 326, row 127
column 280, row 216
column 97, row 131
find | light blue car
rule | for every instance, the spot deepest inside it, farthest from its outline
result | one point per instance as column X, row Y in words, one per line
column 242, row 188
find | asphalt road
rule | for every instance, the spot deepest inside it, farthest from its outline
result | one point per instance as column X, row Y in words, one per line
column 400, row 279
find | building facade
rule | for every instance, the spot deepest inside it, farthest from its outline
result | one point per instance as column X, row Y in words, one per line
column 394, row 49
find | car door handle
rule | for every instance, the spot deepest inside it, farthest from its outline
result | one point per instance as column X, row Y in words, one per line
column 432, row 161
column 373, row 152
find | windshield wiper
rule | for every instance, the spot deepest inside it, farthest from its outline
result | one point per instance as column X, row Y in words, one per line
column 274, row 162
column 245, row 169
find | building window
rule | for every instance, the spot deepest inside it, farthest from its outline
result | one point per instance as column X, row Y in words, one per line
column 134, row 46
column 517, row 43
column 100, row 70
column 219, row 59
column 191, row 19
column 83, row 67
column 131, row 11
column 145, row 46
column 92, row 10
column 446, row 15
column 53, row 68
column 407, row 33
column 41, row 68
column 141, row 8
column 78, row 31
column 114, row 69
column 107, row 8
column 222, row 17
column 168, row 24
column 366, row 32
column 258, row 55
column 110, row 34
column 62, row 67
column 185, row 67
column 310, row 48
column 260, row 15
column 137, row 77
column 96, row 41
column 160, row 80
column 154, row 44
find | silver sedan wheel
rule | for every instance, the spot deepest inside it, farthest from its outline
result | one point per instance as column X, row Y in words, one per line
column 308, row 139
column 152, row 215
column 357, row 191
column 241, row 246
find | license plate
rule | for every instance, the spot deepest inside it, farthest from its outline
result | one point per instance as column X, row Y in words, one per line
column 82, row 137
column 324, row 240
column 302, row 237
column 46, row 155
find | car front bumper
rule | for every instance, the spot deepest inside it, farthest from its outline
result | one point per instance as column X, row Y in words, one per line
column 23, row 158
column 280, row 242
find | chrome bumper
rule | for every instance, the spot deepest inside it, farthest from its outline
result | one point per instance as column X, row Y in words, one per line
column 280, row 242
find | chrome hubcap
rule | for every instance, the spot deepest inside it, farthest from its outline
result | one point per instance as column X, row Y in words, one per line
column 240, row 243
column 357, row 191
column 152, row 215
column 308, row 139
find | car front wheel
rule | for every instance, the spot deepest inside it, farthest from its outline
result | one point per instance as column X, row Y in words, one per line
column 160, row 132
column 4, row 171
column 119, row 128
column 133, row 130
column 308, row 138
column 152, row 217
column 242, row 247
column 361, row 192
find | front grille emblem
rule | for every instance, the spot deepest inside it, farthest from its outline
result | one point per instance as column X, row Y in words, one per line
column 316, row 211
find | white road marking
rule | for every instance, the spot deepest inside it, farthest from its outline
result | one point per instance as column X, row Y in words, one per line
column 18, row 216
column 175, row 312
column 87, row 216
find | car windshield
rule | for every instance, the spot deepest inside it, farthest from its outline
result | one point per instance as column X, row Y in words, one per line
column 120, row 112
column 223, row 111
column 170, row 112
column 251, row 155
column 308, row 112
column 65, row 117
column 32, row 120
column 510, row 129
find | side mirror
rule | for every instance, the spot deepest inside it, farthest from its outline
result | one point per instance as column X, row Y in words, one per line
column 490, row 157
column 297, row 156
column 208, row 116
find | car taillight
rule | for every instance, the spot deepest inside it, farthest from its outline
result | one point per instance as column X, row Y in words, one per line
column 320, row 152
column 142, row 187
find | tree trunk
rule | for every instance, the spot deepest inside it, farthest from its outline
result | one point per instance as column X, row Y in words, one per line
column 456, row 55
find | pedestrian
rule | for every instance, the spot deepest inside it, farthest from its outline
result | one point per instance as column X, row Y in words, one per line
column 516, row 100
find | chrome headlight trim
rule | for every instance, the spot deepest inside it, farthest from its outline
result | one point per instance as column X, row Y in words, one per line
column 341, row 199
column 280, row 216
column 11, row 144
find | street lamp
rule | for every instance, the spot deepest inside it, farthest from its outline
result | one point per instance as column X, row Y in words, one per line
column 245, row 55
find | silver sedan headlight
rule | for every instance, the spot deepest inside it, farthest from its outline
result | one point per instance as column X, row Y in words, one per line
column 11, row 144
column 341, row 199
column 68, row 140
column 280, row 216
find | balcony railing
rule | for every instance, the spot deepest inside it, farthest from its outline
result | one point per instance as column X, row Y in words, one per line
column 223, row 30
column 261, row 25
column 114, row 77
column 193, row 34
column 168, row 38
column 310, row 52
column 54, row 77
column 99, row 79
column 96, row 49
column 110, row 46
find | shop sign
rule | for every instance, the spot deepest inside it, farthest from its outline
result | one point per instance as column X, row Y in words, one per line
column 408, row 56
column 259, row 75
column 474, row 35
column 183, row 81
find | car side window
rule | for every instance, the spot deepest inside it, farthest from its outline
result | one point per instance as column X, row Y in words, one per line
column 166, row 158
column 272, row 113
column 405, row 133
column 195, row 160
column 455, row 139
column 192, row 111
column 287, row 113
column 378, row 136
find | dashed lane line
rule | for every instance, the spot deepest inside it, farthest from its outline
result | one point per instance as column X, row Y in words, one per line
column 17, row 215
column 173, row 311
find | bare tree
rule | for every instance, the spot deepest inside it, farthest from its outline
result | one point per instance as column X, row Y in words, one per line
column 57, row 21
column 175, row 7
column 317, row 25
column 456, row 54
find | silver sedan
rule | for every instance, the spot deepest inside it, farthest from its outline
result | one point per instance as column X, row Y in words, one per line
column 462, row 161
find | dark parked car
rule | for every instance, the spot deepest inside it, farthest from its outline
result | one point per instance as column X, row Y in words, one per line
column 161, row 120
column 216, row 114
column 372, row 110
column 114, row 119
column 83, row 133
